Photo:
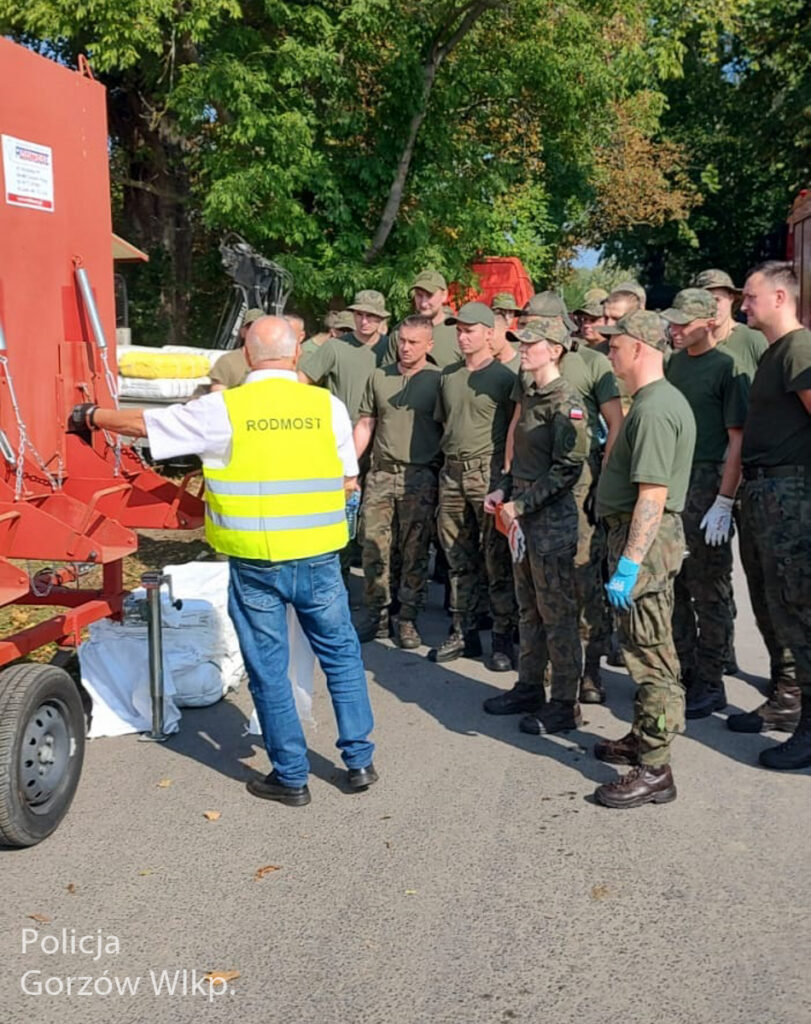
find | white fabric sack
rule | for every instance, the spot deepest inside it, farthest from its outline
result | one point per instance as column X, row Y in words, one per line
column 301, row 671
column 150, row 389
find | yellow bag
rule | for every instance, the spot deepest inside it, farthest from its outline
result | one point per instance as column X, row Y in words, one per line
column 155, row 365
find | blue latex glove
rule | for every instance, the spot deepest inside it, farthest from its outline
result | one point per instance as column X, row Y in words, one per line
column 622, row 583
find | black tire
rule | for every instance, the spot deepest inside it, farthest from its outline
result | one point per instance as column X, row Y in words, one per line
column 42, row 734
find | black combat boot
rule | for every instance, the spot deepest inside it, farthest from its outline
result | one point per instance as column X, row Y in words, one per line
column 781, row 712
column 591, row 683
column 556, row 716
column 522, row 699
column 796, row 751
column 501, row 653
column 703, row 698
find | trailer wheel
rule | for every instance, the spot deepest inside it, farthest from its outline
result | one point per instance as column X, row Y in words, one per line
column 42, row 732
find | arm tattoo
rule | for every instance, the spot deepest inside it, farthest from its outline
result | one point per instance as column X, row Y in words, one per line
column 644, row 525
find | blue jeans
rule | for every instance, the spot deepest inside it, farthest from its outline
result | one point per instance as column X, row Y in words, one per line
column 258, row 595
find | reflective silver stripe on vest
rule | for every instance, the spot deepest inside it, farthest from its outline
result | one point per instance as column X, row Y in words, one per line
column 265, row 524
column 257, row 488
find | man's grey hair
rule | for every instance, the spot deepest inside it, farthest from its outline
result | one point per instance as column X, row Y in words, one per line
column 277, row 343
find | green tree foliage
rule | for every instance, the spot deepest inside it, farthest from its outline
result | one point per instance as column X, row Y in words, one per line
column 742, row 110
column 356, row 140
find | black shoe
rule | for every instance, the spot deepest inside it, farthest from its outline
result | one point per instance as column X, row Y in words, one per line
column 704, row 698
column 501, row 653
column 556, row 716
column 520, row 700
column 796, row 751
column 731, row 666
column 780, row 712
column 614, row 657
column 484, row 622
column 642, row 785
column 473, row 644
column 270, row 788
column 374, row 626
column 361, row 778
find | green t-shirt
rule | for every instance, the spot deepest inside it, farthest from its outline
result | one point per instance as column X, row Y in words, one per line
column 746, row 346
column 403, row 407
column 590, row 374
column 778, row 426
column 717, row 394
column 551, row 441
column 444, row 353
column 343, row 365
column 230, row 369
column 475, row 407
column 654, row 446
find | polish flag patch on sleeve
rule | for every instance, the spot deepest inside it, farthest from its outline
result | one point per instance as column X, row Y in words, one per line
column 575, row 414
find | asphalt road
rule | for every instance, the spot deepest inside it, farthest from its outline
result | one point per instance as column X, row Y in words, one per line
column 476, row 882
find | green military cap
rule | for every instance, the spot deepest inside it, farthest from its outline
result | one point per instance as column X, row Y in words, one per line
column 252, row 315
column 593, row 302
column 506, row 301
column 473, row 313
column 714, row 279
column 543, row 329
column 369, row 301
column 641, row 324
column 343, row 321
column 633, row 288
column 691, row 304
column 549, row 304
column 430, row 281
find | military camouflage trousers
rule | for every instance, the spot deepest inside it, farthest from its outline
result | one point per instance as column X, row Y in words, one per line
column 467, row 533
column 398, row 509
column 775, row 518
column 704, row 609
column 646, row 636
column 546, row 592
column 594, row 620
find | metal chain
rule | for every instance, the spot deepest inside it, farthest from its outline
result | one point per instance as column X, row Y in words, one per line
column 25, row 441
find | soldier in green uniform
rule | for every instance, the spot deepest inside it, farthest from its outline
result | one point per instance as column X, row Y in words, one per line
column 343, row 365
column 505, row 309
column 747, row 346
column 590, row 373
column 429, row 294
column 231, row 369
column 776, row 492
column 589, row 316
column 475, row 406
column 640, row 497
column 550, row 446
column 708, row 378
column 400, row 495
column 546, row 304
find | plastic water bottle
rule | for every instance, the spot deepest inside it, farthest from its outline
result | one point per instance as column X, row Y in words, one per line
column 352, row 509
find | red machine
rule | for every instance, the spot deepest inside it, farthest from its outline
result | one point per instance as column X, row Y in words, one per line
column 496, row 274
column 799, row 250
column 62, row 499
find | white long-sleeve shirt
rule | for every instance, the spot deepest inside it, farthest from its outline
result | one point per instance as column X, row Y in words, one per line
column 202, row 427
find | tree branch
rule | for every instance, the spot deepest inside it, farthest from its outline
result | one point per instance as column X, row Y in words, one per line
column 442, row 45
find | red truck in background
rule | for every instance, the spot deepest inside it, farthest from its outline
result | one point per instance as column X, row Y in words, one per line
column 799, row 250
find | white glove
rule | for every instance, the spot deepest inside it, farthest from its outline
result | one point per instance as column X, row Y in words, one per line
column 517, row 541
column 717, row 521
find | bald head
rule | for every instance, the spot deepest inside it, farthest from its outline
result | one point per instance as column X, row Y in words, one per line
column 271, row 339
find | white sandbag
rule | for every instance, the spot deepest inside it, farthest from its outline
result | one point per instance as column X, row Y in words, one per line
column 301, row 672
column 116, row 675
column 152, row 389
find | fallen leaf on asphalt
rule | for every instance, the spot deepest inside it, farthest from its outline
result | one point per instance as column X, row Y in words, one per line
column 222, row 976
column 212, row 815
column 411, row 892
column 164, row 783
column 599, row 892
column 71, row 887
column 40, row 918
column 268, row 869
column 148, row 871
column 385, row 817
column 388, row 843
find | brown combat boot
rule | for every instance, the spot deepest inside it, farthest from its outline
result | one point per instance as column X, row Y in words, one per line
column 407, row 636
column 591, row 683
column 622, row 751
column 643, row 784
column 781, row 712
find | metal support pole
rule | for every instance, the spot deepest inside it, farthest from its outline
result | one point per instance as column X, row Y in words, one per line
column 91, row 308
column 152, row 581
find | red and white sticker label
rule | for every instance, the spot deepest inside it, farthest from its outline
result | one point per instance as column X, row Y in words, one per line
column 575, row 414
column 28, row 174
